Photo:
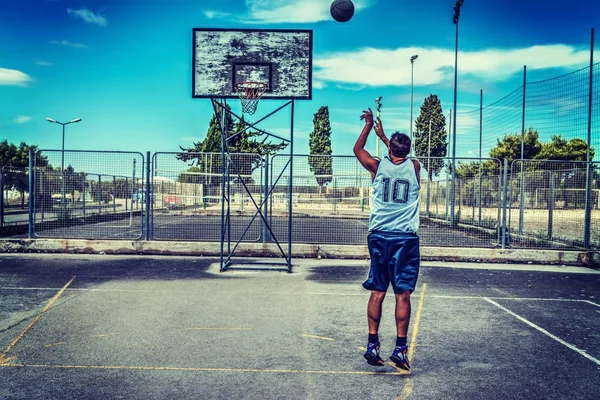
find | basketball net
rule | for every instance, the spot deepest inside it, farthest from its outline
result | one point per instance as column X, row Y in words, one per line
column 250, row 93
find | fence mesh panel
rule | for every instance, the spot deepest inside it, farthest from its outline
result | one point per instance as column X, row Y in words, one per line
column 547, row 204
column 477, row 202
column 559, row 106
column 95, row 195
column 14, row 195
column 330, row 201
column 188, row 189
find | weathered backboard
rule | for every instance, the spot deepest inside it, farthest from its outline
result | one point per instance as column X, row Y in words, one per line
column 281, row 58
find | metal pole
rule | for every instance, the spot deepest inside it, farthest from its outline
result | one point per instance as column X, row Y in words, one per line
column 522, row 188
column 264, row 230
column 480, row 155
column 504, row 205
column 429, row 174
column 453, row 182
column 62, row 172
column 412, row 65
column 31, row 196
column 588, row 169
column 551, row 205
column 148, row 195
column 289, row 257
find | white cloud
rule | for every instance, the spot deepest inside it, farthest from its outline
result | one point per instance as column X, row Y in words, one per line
column 88, row 16
column 69, row 44
column 22, row 119
column 13, row 77
column 284, row 11
column 384, row 67
column 45, row 63
column 211, row 14
column 318, row 84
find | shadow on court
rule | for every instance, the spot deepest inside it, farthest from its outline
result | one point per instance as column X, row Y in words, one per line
column 88, row 327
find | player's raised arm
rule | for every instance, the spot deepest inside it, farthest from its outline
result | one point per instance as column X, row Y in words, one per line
column 364, row 157
column 379, row 132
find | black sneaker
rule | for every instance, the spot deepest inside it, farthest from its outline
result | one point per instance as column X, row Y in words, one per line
column 372, row 355
column 399, row 357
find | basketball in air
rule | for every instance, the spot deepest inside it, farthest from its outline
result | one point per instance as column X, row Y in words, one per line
column 342, row 10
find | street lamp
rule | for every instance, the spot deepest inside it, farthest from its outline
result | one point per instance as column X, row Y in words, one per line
column 412, row 61
column 62, row 163
column 455, row 19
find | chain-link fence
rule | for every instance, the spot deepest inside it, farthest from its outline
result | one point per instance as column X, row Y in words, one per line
column 468, row 202
column 88, row 194
column 476, row 203
column 548, row 203
column 191, row 195
column 565, row 106
column 330, row 198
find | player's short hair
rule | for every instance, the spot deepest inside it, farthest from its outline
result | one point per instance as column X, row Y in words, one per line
column 399, row 144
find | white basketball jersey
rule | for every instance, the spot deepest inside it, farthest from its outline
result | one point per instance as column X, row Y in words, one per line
column 395, row 198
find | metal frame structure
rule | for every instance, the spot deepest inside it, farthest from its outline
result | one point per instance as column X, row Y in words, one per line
column 226, row 252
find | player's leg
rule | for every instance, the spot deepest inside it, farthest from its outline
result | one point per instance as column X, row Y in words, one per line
column 374, row 311
column 406, row 262
column 400, row 354
column 402, row 313
column 377, row 282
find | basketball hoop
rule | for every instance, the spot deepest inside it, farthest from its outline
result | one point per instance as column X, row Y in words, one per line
column 250, row 93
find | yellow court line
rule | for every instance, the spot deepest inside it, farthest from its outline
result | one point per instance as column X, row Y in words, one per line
column 198, row 369
column 408, row 385
column 316, row 337
column 3, row 358
column 200, row 328
column 108, row 334
column 54, row 344
column 413, row 339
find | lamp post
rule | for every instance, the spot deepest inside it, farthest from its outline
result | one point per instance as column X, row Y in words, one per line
column 455, row 19
column 412, row 65
column 62, row 162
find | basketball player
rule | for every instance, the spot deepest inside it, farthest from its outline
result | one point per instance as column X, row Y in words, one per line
column 392, row 240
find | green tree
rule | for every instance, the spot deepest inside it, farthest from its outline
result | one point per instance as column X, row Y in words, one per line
column 15, row 161
column 432, row 143
column 509, row 148
column 568, row 174
column 319, row 141
column 561, row 149
column 242, row 141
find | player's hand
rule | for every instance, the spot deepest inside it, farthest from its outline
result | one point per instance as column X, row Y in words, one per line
column 368, row 117
column 379, row 128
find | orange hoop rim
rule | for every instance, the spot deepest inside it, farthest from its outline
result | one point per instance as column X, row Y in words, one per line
column 250, row 89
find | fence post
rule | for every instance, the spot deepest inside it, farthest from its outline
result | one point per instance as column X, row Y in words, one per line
column 551, row 205
column 264, row 230
column 588, row 169
column 84, row 186
column 522, row 188
column 480, row 137
column 148, row 195
column 504, row 203
column 31, row 196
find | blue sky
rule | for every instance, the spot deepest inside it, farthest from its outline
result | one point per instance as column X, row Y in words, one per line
column 124, row 66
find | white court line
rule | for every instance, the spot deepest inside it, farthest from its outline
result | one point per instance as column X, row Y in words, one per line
column 545, row 332
column 591, row 302
column 361, row 294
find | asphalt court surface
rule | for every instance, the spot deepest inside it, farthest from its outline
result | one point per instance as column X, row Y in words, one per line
column 141, row 327
column 318, row 230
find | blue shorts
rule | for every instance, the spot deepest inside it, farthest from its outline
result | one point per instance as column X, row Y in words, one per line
column 395, row 259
